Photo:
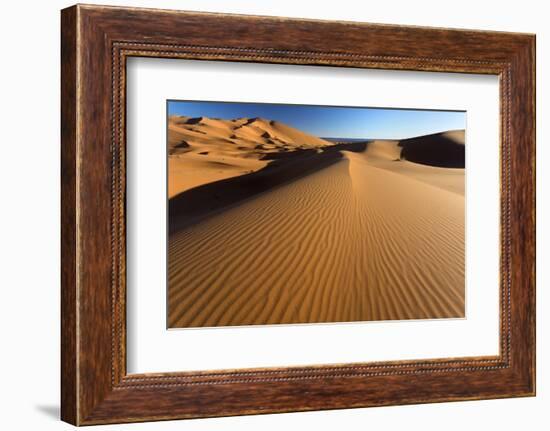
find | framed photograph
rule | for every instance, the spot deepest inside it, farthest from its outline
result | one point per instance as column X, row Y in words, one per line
column 264, row 215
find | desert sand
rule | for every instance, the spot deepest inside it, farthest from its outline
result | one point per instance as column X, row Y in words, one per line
column 270, row 225
column 232, row 148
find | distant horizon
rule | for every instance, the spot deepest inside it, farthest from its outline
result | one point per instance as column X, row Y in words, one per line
column 336, row 122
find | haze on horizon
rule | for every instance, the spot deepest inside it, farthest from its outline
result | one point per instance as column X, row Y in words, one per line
column 332, row 121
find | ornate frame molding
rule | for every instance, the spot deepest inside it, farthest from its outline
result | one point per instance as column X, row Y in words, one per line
column 96, row 41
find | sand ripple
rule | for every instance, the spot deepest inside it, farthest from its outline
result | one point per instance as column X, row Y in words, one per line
column 350, row 242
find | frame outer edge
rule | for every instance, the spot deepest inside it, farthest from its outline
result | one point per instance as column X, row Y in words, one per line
column 533, row 53
column 523, row 179
column 69, row 202
column 532, row 79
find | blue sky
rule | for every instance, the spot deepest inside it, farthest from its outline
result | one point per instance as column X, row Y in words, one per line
column 332, row 121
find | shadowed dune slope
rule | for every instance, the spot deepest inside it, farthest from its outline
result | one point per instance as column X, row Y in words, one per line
column 356, row 235
column 203, row 201
column 440, row 149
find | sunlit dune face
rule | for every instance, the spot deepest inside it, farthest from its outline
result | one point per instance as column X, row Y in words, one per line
column 269, row 224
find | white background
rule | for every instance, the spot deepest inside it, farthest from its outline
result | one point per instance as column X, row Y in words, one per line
column 29, row 230
column 151, row 348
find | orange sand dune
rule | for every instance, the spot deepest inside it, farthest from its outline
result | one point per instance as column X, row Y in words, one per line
column 203, row 150
column 384, row 154
column 328, row 233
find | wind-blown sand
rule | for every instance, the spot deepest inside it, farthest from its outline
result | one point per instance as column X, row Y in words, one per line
column 283, row 227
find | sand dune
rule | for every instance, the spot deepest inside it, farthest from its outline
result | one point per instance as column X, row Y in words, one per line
column 203, row 150
column 440, row 149
column 388, row 155
column 326, row 233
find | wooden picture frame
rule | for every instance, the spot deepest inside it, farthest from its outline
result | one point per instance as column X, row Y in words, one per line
column 95, row 43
